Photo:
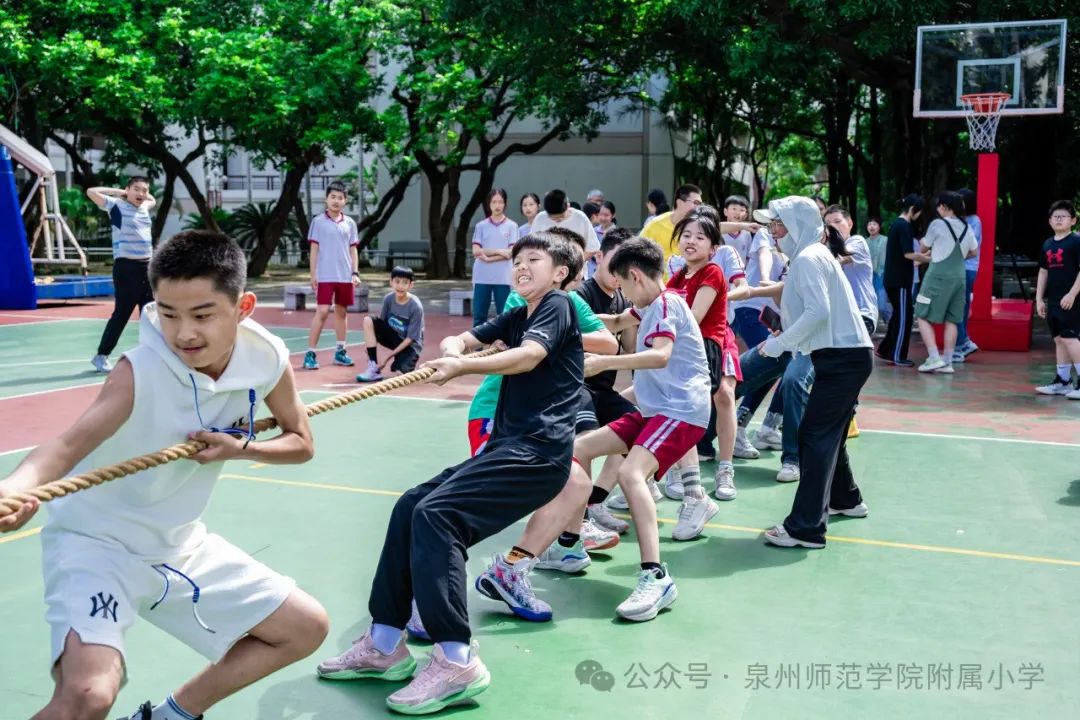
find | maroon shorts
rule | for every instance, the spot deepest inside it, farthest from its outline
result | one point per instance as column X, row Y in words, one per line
column 666, row 438
column 335, row 294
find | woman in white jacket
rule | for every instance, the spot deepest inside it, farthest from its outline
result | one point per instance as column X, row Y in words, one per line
column 821, row 319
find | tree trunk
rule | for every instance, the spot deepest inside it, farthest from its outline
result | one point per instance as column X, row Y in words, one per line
column 164, row 206
column 872, row 170
column 440, row 259
column 303, row 224
column 279, row 217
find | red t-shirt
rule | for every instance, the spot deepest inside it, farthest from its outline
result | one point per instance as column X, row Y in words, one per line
column 714, row 324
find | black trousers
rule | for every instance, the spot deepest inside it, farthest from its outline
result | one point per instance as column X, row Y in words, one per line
column 826, row 480
column 131, row 284
column 433, row 525
column 894, row 346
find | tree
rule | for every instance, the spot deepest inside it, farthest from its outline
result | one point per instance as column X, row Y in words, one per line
column 293, row 84
column 93, row 67
column 464, row 73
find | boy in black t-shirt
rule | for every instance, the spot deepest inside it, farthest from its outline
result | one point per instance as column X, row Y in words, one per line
column 900, row 256
column 1055, row 298
column 526, row 463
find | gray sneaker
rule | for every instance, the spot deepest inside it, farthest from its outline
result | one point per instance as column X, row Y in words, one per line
column 768, row 438
column 725, row 483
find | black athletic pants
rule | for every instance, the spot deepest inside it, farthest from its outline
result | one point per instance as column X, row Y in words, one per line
column 131, row 285
column 894, row 346
column 826, row 480
column 433, row 525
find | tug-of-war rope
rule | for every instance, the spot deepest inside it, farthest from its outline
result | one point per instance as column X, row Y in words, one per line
column 75, row 483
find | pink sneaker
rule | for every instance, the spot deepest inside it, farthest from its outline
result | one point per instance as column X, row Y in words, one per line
column 363, row 660
column 441, row 683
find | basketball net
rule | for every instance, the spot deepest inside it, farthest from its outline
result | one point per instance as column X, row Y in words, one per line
column 983, row 114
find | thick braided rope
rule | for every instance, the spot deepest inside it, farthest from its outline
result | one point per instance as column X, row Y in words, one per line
column 75, row 483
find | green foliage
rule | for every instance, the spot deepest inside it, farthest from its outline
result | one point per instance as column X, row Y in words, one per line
column 194, row 221
column 81, row 214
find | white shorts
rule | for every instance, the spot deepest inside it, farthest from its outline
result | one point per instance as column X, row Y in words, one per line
column 97, row 588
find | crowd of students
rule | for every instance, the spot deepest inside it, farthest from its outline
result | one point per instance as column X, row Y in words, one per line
column 790, row 279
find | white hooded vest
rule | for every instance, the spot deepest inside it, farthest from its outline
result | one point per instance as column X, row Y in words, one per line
column 155, row 514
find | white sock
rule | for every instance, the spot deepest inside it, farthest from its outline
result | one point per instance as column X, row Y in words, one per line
column 456, row 652
column 385, row 638
column 311, row 349
column 169, row 709
column 1065, row 371
column 341, row 345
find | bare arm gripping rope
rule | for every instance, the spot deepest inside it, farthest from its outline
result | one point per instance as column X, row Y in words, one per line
column 75, row 483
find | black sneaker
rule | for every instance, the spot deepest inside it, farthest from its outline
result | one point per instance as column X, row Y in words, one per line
column 1058, row 387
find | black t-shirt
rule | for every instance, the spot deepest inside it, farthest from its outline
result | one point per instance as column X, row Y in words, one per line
column 602, row 304
column 899, row 270
column 538, row 408
column 1061, row 261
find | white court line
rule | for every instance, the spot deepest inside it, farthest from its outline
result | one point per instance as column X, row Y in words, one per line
column 46, row 392
column 17, row 450
column 45, row 319
column 42, row 362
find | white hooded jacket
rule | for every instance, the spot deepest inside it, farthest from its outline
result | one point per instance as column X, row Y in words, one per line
column 818, row 309
column 155, row 514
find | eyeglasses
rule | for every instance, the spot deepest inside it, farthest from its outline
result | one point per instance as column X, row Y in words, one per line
column 1061, row 217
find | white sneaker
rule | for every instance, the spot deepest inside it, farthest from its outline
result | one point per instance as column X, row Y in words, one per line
column 932, row 365
column 768, row 438
column 1058, row 387
column 594, row 537
column 617, row 501
column 789, row 472
column 1075, row 394
column 859, row 511
column 600, row 515
column 654, row 490
column 743, row 448
column 969, row 347
column 673, row 486
column 945, row 369
column 651, row 595
column 958, row 357
column 693, row 515
column 101, row 363
column 567, row 560
column 725, row 483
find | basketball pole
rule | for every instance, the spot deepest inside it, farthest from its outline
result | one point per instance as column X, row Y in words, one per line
column 986, row 209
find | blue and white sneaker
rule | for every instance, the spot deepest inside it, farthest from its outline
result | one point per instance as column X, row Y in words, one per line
column 341, row 357
column 565, row 559
column 651, row 595
column 310, row 361
column 510, row 584
column 415, row 626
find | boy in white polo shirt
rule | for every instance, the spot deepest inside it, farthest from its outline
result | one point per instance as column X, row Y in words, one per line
column 137, row 545
column 334, row 263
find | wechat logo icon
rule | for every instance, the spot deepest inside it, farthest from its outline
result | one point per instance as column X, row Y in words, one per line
column 590, row 672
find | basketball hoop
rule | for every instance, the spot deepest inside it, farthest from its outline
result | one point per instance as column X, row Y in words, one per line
column 983, row 111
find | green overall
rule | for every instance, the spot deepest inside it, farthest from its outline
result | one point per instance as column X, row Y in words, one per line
column 941, row 294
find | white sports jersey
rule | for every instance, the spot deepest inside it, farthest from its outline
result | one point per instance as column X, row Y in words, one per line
column 155, row 514
column 681, row 390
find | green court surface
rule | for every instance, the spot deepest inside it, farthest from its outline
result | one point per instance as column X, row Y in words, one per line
column 956, row 598
column 37, row 357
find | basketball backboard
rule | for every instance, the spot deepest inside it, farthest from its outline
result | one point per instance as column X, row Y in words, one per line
column 1024, row 59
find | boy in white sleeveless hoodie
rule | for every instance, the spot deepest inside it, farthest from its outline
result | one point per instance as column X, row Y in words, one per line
column 136, row 545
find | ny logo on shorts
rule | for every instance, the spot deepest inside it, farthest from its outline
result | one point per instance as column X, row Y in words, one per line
column 104, row 606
